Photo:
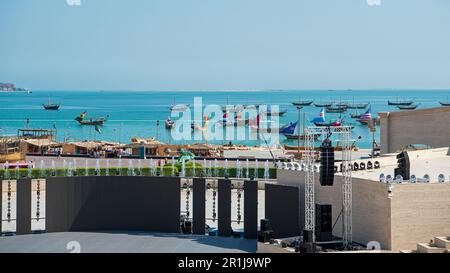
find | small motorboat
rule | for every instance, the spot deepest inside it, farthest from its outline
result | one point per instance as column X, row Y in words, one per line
column 366, row 117
column 355, row 115
column 179, row 107
column 91, row 121
column 366, row 121
column 233, row 108
column 358, row 106
column 400, row 102
column 408, row 107
column 302, row 103
column 199, row 127
column 447, row 103
column 302, row 137
column 342, row 105
column 169, row 123
column 238, row 120
column 51, row 106
column 195, row 126
column 336, row 109
column 321, row 121
column 317, row 149
column 323, row 104
column 275, row 113
column 335, row 123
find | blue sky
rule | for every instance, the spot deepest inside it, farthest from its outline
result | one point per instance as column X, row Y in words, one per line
column 225, row 44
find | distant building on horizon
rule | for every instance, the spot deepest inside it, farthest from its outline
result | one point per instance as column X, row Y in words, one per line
column 7, row 87
column 11, row 87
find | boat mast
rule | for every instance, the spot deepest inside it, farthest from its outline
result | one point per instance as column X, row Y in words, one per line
column 303, row 129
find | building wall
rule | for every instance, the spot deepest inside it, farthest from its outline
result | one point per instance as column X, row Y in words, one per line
column 419, row 213
column 423, row 126
column 69, row 148
column 371, row 212
column 414, row 213
column 371, row 205
column 12, row 157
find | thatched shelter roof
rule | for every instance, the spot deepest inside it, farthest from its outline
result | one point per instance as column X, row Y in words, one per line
column 92, row 144
column 137, row 140
column 42, row 142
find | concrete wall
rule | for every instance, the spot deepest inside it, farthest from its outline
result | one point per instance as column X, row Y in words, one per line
column 414, row 213
column 371, row 206
column 423, row 126
column 419, row 213
column 371, row 212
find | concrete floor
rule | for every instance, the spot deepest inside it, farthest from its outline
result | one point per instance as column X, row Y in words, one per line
column 91, row 242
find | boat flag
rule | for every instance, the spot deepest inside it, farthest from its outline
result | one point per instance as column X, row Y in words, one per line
column 289, row 130
column 205, row 125
column 367, row 115
column 97, row 129
column 321, row 117
column 81, row 116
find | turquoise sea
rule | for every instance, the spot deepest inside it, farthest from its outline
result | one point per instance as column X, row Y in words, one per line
column 135, row 113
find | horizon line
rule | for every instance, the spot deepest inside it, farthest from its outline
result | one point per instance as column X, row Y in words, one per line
column 244, row 90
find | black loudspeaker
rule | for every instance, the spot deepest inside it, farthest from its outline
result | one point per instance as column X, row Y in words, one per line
column 266, row 233
column 403, row 165
column 326, row 163
column 307, row 248
column 265, row 236
column 264, row 225
column 323, row 224
column 307, row 236
column 186, row 226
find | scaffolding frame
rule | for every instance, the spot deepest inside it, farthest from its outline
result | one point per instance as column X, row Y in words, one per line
column 345, row 142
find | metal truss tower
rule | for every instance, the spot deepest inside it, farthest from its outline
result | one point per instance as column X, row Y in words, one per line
column 345, row 142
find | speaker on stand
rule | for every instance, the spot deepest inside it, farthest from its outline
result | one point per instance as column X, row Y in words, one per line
column 307, row 246
column 403, row 166
column 326, row 163
column 323, row 224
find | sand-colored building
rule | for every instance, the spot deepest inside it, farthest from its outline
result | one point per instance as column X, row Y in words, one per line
column 423, row 126
column 10, row 149
column 39, row 146
column 397, row 215
column 137, row 149
column 86, row 147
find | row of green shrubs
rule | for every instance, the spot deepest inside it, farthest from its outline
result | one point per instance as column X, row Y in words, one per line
column 168, row 170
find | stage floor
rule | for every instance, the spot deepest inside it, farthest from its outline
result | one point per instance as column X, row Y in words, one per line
column 123, row 242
